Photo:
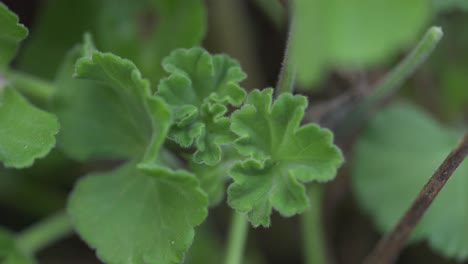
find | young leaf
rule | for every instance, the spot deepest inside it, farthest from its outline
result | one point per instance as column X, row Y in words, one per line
column 213, row 178
column 138, row 215
column 350, row 33
column 199, row 88
column 26, row 132
column 9, row 251
column 11, row 33
column 119, row 115
column 282, row 156
column 392, row 160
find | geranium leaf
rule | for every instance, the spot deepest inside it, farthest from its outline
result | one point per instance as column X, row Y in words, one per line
column 138, row 215
column 10, row 253
column 392, row 160
column 114, row 104
column 282, row 156
column 199, row 88
column 139, row 30
column 11, row 33
column 352, row 33
column 213, row 177
column 26, row 132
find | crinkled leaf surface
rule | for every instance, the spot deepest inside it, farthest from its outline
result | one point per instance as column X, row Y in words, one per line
column 213, row 177
column 199, row 88
column 352, row 33
column 138, row 215
column 26, row 132
column 392, row 160
column 11, row 33
column 109, row 114
column 9, row 252
column 283, row 156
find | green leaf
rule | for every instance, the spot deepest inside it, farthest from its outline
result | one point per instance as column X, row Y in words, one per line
column 11, row 34
column 143, row 30
column 392, row 160
column 26, row 132
column 199, row 88
column 9, row 251
column 138, row 215
column 213, row 177
column 139, row 30
column 352, row 33
column 449, row 5
column 113, row 114
column 283, row 156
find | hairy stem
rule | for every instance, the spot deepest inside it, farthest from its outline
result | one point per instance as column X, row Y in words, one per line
column 391, row 82
column 30, row 86
column 44, row 233
column 287, row 75
column 389, row 247
column 239, row 228
column 312, row 229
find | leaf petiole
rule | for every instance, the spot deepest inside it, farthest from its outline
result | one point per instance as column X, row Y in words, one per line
column 391, row 82
column 312, row 228
column 239, row 228
column 29, row 85
column 44, row 233
column 287, row 75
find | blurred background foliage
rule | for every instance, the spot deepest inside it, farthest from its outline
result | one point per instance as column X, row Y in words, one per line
column 342, row 49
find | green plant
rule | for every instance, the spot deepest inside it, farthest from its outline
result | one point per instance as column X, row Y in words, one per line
column 182, row 132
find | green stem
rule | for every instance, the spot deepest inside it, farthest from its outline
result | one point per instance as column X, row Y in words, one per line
column 237, row 237
column 44, row 233
column 287, row 75
column 30, row 85
column 392, row 81
column 312, row 229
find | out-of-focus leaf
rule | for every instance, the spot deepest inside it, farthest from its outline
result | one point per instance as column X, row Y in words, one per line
column 59, row 25
column 283, row 156
column 138, row 215
column 11, row 34
column 9, row 252
column 448, row 5
column 26, row 132
column 330, row 33
column 112, row 114
column 392, row 160
column 146, row 31
column 199, row 88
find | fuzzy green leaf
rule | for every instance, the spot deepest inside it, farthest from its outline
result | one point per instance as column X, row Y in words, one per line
column 9, row 251
column 282, row 156
column 392, row 160
column 330, row 33
column 140, row 215
column 213, row 177
column 112, row 113
column 26, row 132
column 199, row 88
column 11, row 33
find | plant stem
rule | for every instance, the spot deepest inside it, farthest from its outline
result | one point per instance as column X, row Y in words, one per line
column 287, row 75
column 389, row 247
column 311, row 223
column 237, row 237
column 44, row 233
column 30, row 85
column 392, row 81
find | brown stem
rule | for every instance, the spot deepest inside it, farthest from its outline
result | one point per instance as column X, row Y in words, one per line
column 389, row 247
